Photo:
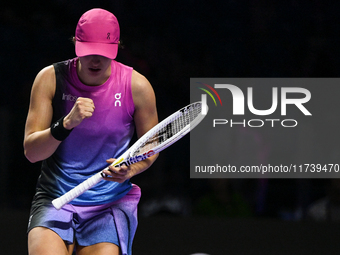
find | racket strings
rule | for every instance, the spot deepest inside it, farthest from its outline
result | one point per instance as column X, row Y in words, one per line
column 171, row 128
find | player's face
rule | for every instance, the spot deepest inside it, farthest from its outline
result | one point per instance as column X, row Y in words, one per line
column 94, row 69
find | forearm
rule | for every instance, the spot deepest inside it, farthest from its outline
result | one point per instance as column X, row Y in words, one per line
column 143, row 165
column 124, row 173
column 40, row 145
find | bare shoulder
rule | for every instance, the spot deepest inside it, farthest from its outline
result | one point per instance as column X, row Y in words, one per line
column 139, row 82
column 141, row 88
column 46, row 75
column 45, row 82
column 144, row 99
column 47, row 71
column 40, row 108
column 42, row 94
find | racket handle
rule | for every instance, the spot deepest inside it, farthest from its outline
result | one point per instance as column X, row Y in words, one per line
column 77, row 191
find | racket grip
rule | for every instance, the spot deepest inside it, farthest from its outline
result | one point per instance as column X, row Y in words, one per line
column 77, row 191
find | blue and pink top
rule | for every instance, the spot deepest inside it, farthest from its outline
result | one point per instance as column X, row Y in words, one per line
column 105, row 135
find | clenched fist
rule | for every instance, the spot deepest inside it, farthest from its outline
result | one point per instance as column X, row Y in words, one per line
column 83, row 108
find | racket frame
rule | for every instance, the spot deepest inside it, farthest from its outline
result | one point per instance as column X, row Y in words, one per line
column 127, row 158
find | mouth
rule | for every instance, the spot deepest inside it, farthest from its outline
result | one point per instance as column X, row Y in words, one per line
column 94, row 70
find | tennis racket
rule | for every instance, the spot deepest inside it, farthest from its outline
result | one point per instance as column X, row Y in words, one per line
column 155, row 140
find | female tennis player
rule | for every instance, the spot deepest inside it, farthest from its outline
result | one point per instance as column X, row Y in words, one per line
column 82, row 115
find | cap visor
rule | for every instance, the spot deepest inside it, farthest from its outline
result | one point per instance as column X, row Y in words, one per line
column 102, row 49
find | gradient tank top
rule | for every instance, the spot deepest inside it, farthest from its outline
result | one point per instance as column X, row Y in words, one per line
column 105, row 135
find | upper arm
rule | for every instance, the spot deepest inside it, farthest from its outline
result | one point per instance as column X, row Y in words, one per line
column 40, row 109
column 145, row 115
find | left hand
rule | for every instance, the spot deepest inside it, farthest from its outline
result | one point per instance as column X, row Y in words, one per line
column 117, row 174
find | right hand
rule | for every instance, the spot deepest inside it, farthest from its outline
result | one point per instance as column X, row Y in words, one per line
column 83, row 108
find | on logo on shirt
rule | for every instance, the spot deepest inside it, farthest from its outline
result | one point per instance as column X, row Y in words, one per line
column 118, row 96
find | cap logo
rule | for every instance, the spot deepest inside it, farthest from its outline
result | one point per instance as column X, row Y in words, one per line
column 108, row 36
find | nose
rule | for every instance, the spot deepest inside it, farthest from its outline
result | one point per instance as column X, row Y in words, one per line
column 95, row 59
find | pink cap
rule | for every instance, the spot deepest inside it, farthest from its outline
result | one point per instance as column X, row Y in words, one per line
column 97, row 33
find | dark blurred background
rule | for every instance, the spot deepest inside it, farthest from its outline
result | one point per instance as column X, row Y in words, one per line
column 169, row 42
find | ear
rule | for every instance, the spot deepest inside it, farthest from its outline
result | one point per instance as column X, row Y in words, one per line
column 73, row 40
column 120, row 44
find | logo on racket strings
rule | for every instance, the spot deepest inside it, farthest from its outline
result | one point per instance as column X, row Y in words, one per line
column 136, row 159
